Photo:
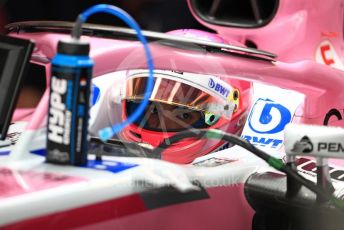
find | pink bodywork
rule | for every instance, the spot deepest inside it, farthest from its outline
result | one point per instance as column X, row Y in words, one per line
column 293, row 34
column 321, row 84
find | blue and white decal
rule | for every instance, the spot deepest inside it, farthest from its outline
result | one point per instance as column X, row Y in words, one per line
column 103, row 86
column 272, row 110
column 108, row 165
column 263, row 141
column 266, row 122
column 268, row 117
column 219, row 88
column 112, row 166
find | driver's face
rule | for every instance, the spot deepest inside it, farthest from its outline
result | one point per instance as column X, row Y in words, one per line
column 170, row 117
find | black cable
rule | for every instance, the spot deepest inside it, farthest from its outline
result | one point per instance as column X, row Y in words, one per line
column 77, row 29
column 272, row 161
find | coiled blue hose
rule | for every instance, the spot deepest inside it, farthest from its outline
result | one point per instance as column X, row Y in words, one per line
column 108, row 132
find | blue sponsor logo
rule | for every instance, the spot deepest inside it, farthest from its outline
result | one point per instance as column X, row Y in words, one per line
column 218, row 87
column 95, row 94
column 268, row 117
column 108, row 165
column 5, row 153
column 263, row 141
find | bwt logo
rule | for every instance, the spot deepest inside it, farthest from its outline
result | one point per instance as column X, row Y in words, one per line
column 218, row 87
column 263, row 141
column 268, row 117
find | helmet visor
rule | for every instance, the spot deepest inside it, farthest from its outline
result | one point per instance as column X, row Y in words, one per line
column 163, row 117
column 177, row 93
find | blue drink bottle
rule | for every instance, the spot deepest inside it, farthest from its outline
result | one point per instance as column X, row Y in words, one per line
column 69, row 103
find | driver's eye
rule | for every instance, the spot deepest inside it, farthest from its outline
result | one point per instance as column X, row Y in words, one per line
column 185, row 116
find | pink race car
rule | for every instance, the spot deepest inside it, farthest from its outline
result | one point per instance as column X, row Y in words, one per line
column 202, row 80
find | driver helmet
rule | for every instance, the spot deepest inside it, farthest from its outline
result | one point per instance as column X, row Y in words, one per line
column 181, row 101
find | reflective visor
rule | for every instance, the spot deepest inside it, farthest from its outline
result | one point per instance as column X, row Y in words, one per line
column 162, row 117
column 175, row 92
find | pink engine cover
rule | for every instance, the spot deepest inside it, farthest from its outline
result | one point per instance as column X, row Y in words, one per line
column 300, row 30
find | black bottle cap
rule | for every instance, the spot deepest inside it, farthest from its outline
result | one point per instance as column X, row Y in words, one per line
column 73, row 48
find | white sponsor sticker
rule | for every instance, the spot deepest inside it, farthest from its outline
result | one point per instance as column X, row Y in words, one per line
column 273, row 108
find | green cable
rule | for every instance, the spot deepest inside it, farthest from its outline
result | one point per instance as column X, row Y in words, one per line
column 214, row 134
column 272, row 161
column 275, row 163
